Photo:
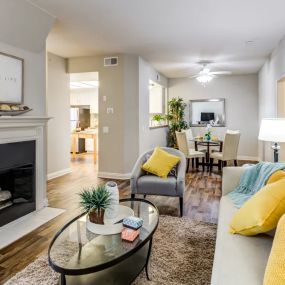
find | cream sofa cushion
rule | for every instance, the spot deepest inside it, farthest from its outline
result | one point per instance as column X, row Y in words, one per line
column 238, row 259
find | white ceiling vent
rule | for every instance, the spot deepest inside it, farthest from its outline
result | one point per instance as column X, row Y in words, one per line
column 111, row 61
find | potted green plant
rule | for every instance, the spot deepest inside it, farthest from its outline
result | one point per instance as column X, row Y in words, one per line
column 94, row 201
column 158, row 118
column 175, row 117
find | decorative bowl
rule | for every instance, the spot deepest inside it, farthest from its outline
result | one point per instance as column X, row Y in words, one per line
column 13, row 112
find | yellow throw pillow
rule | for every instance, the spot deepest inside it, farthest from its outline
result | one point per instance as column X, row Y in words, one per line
column 261, row 212
column 275, row 268
column 277, row 175
column 160, row 163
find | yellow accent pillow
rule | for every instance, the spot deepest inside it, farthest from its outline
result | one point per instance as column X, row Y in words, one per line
column 277, row 175
column 160, row 163
column 261, row 212
column 275, row 268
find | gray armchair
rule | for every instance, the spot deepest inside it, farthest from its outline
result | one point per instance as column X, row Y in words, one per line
column 147, row 184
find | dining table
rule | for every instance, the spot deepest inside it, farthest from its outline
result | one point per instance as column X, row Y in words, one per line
column 208, row 143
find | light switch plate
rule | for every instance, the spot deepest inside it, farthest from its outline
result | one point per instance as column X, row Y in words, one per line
column 110, row 110
column 105, row 130
column 104, row 98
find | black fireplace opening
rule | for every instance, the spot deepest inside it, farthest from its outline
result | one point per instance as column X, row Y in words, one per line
column 17, row 180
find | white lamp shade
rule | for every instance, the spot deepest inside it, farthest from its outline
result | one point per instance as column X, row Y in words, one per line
column 272, row 130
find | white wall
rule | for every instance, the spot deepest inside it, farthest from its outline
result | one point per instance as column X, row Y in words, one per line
column 271, row 72
column 148, row 138
column 58, row 105
column 131, row 111
column 241, row 94
column 111, row 84
column 126, row 87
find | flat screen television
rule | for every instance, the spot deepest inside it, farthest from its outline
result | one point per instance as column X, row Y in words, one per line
column 207, row 117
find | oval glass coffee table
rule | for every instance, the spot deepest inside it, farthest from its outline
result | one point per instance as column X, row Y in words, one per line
column 82, row 257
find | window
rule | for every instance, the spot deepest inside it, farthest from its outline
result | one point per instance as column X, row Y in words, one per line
column 157, row 105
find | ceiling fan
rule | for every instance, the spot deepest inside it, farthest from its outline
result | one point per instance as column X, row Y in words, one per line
column 206, row 75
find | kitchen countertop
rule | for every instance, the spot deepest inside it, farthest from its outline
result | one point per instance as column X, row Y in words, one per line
column 92, row 132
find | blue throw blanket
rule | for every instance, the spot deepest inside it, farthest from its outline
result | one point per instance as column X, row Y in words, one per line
column 252, row 180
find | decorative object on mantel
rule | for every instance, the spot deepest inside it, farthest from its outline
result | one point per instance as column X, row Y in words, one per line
column 11, row 79
column 12, row 86
column 13, row 110
column 94, row 201
column 112, row 210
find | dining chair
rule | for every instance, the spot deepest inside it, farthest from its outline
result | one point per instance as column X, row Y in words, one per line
column 229, row 152
column 190, row 139
column 190, row 153
column 189, row 136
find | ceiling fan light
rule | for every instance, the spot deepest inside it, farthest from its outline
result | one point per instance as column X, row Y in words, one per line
column 204, row 78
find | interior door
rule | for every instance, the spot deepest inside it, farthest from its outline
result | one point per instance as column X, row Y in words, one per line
column 281, row 111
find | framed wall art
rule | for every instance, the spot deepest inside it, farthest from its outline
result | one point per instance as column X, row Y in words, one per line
column 11, row 79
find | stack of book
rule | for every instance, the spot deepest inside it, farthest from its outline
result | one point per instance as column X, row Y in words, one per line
column 131, row 228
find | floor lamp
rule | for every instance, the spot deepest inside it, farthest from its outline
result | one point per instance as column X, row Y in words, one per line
column 273, row 130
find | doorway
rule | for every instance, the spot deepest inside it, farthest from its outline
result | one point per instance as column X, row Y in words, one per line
column 281, row 111
column 84, row 116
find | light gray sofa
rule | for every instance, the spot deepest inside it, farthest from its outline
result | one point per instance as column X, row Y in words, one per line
column 239, row 260
column 147, row 184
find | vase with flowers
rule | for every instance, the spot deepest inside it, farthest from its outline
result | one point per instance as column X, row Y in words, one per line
column 208, row 134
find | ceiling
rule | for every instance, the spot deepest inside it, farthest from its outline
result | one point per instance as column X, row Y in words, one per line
column 18, row 31
column 172, row 35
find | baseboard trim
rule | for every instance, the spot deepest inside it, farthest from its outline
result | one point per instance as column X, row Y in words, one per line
column 245, row 157
column 58, row 173
column 110, row 175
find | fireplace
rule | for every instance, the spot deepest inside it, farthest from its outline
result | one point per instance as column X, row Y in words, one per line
column 17, row 180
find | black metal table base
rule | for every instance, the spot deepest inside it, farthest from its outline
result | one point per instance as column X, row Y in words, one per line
column 122, row 273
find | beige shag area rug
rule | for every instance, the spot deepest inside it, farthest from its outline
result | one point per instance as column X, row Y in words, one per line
column 182, row 254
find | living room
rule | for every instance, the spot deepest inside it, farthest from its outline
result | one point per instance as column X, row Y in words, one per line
column 188, row 110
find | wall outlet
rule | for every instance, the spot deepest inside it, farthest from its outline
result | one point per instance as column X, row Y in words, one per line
column 105, row 130
column 110, row 110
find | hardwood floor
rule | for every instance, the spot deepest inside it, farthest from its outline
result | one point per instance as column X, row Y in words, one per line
column 201, row 202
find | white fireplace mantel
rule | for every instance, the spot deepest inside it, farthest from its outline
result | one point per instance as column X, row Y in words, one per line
column 25, row 128
column 22, row 121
